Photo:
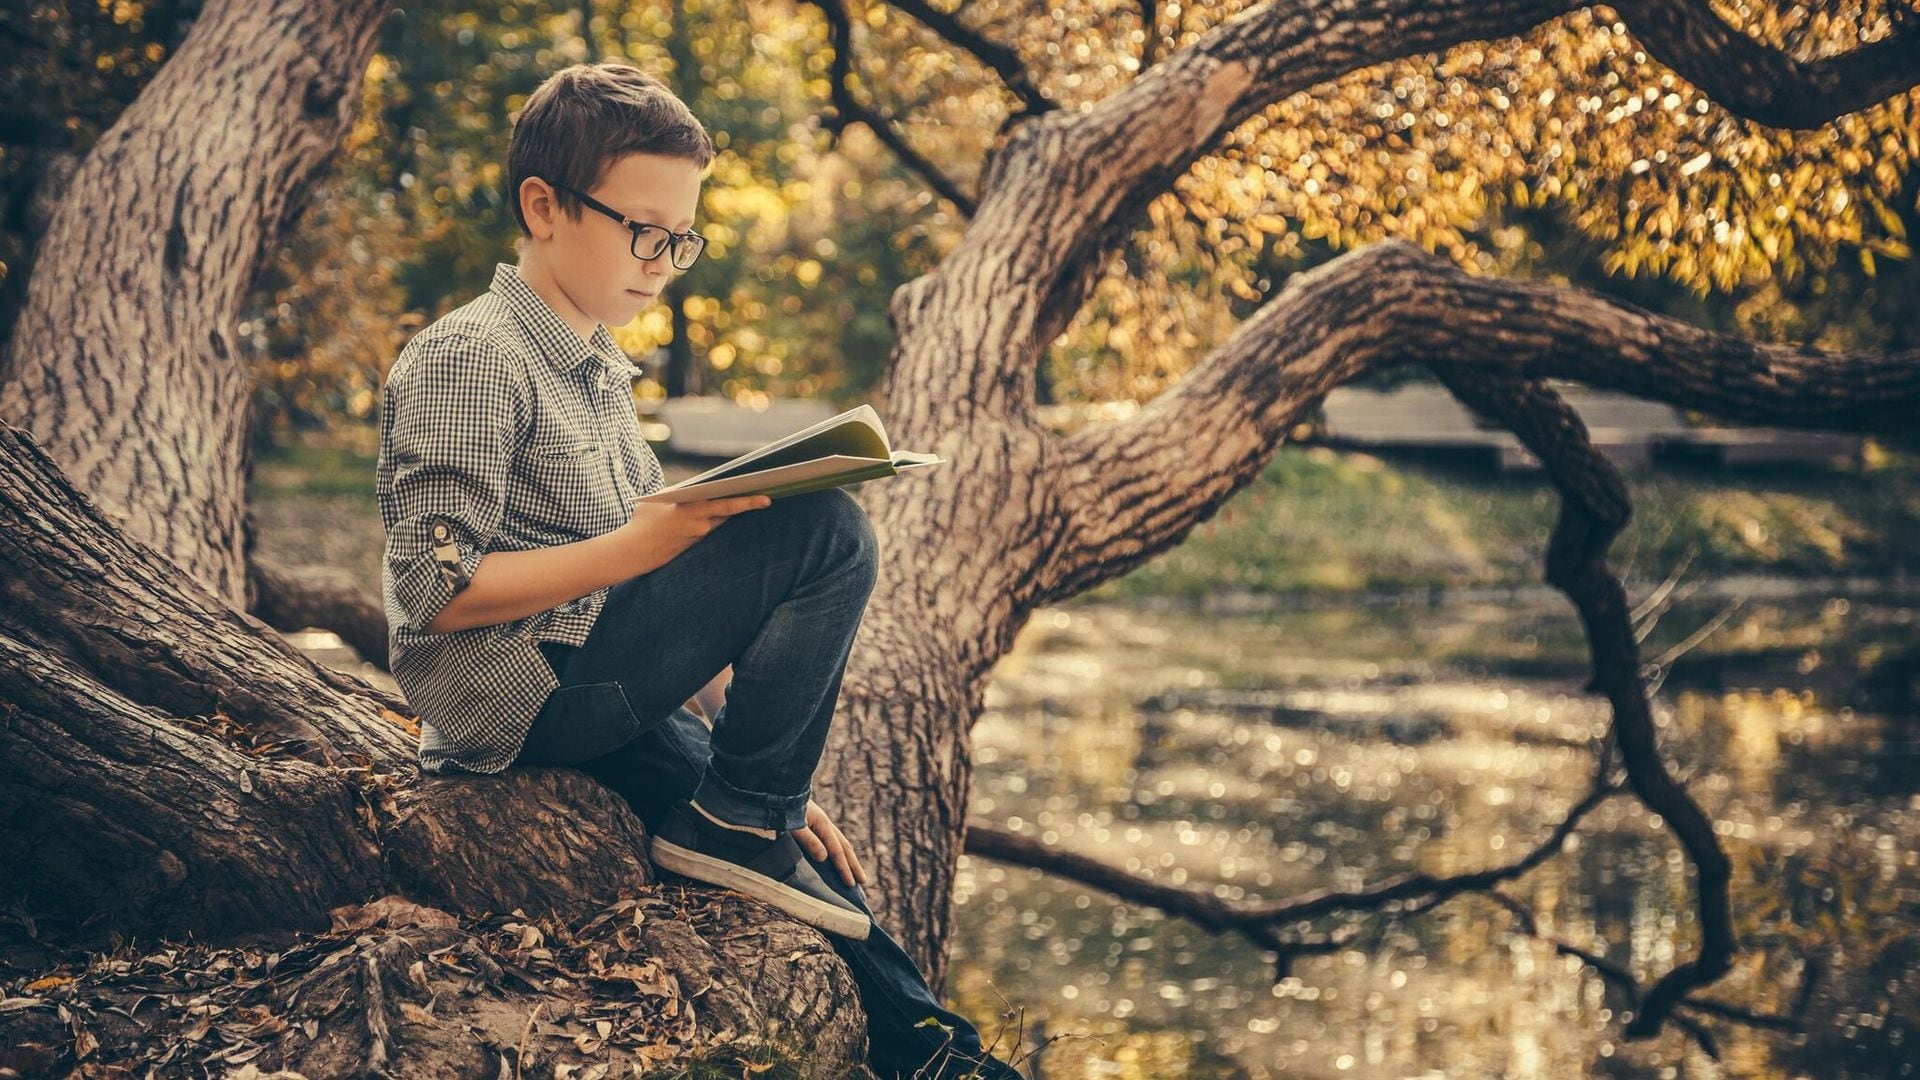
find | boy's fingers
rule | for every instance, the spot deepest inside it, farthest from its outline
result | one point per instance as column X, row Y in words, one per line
column 850, row 867
column 810, row 842
column 837, row 844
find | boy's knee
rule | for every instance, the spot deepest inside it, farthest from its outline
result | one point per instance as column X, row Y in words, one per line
column 851, row 520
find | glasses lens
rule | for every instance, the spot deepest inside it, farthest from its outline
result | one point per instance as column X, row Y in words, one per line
column 687, row 251
column 649, row 241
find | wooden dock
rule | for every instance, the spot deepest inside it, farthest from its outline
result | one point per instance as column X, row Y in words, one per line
column 1631, row 432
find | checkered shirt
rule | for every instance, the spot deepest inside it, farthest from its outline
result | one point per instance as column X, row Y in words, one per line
column 500, row 430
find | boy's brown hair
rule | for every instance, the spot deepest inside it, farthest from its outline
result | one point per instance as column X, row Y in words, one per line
column 586, row 117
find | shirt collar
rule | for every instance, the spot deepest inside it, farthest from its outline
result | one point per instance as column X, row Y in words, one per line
column 551, row 335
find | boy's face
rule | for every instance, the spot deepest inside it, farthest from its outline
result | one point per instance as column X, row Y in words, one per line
column 591, row 257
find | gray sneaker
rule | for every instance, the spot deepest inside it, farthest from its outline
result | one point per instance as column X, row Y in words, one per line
column 776, row 871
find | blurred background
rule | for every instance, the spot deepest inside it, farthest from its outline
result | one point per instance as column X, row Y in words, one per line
column 1353, row 670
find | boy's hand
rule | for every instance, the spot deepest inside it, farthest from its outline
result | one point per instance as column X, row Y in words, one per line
column 820, row 837
column 661, row 531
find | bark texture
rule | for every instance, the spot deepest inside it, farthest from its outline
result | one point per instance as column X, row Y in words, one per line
column 294, row 598
column 178, row 768
column 123, row 364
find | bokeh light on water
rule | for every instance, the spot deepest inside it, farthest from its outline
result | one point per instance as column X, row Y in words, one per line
column 1265, row 755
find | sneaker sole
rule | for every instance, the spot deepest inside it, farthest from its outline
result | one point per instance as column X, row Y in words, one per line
column 809, row 910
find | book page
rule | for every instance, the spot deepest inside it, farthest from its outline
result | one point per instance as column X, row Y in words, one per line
column 840, row 468
column 856, row 431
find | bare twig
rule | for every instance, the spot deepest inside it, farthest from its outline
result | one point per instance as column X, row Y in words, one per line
column 850, row 109
column 1403, row 894
column 1593, row 509
column 1004, row 61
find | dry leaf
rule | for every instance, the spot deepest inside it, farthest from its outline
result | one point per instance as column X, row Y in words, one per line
column 391, row 911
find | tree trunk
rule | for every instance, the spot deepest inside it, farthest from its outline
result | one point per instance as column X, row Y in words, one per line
column 179, row 768
column 123, row 364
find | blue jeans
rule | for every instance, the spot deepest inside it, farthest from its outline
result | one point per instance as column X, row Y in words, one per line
column 778, row 593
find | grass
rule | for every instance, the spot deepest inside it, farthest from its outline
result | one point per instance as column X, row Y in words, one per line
column 1319, row 521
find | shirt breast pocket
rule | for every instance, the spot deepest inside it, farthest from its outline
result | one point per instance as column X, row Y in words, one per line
column 568, row 485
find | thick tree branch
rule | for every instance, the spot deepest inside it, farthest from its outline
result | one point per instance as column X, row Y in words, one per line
column 1752, row 79
column 1111, row 161
column 289, row 598
column 1391, row 304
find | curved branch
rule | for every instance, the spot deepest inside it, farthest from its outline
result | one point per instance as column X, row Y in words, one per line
column 1257, row 919
column 1752, row 79
column 1065, row 190
column 1593, row 509
column 1139, row 485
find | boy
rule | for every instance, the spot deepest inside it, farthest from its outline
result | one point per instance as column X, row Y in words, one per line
column 539, row 615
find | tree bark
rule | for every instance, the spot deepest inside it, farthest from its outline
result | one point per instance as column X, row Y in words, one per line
column 179, row 768
column 290, row 598
column 124, row 363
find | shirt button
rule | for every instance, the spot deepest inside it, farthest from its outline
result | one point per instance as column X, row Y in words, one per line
column 440, row 532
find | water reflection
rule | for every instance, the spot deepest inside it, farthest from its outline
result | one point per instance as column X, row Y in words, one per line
column 1263, row 755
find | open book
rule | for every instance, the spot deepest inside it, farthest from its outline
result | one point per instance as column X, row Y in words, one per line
column 841, row 450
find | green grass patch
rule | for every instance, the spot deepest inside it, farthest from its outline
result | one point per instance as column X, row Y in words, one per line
column 313, row 470
column 1318, row 520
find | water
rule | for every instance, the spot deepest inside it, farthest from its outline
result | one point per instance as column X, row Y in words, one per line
column 1262, row 755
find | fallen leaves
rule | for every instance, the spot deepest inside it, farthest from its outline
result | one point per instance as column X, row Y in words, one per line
column 603, row 1004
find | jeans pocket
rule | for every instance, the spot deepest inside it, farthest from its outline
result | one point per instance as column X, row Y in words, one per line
column 579, row 723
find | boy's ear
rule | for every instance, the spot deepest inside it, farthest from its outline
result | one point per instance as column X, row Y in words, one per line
column 539, row 206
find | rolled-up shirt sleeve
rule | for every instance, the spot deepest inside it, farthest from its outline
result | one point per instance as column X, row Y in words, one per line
column 450, row 416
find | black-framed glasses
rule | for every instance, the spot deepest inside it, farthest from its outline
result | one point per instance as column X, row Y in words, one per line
column 648, row 240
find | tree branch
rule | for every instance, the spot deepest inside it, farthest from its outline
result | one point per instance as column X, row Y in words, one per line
column 1004, row 61
column 1258, row 920
column 291, row 598
column 1593, row 509
column 1391, row 304
column 849, row 109
column 1112, row 160
column 1754, row 80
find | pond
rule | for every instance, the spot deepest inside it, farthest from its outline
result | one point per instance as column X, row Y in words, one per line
column 1266, row 753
